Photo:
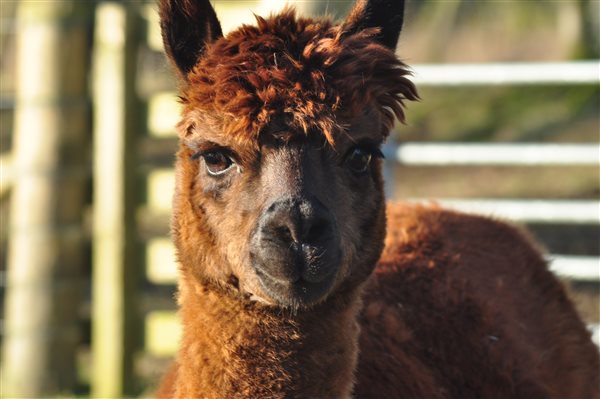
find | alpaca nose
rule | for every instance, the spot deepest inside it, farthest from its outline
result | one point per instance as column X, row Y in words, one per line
column 298, row 222
column 296, row 243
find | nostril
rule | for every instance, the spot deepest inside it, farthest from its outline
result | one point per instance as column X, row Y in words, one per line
column 318, row 230
column 283, row 233
column 272, row 208
column 297, row 221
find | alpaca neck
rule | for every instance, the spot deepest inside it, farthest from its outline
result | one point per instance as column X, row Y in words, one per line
column 232, row 348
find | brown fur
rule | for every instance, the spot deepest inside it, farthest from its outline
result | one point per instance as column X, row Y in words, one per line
column 297, row 68
column 232, row 348
column 465, row 307
column 439, row 321
column 458, row 306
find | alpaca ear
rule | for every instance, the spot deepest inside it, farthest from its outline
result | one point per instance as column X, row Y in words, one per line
column 187, row 26
column 386, row 15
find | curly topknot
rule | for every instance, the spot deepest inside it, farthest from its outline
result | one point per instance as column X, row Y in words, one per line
column 307, row 71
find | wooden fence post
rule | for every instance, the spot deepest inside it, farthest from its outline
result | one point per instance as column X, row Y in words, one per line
column 114, row 240
column 51, row 166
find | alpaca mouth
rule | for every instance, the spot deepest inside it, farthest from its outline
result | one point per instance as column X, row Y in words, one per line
column 298, row 276
column 298, row 292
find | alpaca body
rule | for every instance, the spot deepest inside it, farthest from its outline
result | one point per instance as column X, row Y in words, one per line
column 435, row 306
column 279, row 220
column 463, row 306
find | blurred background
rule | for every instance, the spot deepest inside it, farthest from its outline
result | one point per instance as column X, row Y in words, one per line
column 508, row 125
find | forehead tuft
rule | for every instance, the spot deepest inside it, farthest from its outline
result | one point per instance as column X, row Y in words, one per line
column 307, row 72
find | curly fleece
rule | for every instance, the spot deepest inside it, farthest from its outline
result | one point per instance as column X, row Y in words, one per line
column 307, row 71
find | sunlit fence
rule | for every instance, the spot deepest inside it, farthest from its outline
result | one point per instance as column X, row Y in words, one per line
column 132, row 310
column 567, row 215
column 513, row 154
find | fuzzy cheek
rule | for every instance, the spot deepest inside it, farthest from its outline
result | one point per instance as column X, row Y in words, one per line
column 358, row 233
column 215, row 188
column 235, row 253
column 348, row 258
column 233, row 228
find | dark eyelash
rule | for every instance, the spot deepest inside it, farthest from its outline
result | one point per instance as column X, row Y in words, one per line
column 371, row 147
column 200, row 153
column 376, row 153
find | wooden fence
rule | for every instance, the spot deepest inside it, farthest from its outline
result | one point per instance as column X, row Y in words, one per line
column 46, row 278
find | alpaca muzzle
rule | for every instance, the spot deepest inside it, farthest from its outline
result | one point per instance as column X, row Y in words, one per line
column 295, row 251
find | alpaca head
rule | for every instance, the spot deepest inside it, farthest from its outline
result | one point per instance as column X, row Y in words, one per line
column 279, row 191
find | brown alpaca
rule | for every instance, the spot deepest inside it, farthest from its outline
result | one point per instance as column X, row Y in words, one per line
column 279, row 221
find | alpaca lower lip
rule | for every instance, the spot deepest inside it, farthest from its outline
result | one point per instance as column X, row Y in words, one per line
column 295, row 293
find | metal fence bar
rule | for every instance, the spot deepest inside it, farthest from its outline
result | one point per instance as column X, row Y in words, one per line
column 578, row 268
column 538, row 211
column 525, row 73
column 517, row 154
column 595, row 330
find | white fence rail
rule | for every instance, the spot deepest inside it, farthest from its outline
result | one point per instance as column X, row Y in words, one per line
column 530, row 211
column 581, row 268
column 526, row 73
column 494, row 154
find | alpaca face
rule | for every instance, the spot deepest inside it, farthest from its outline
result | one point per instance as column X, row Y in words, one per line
column 279, row 189
column 288, row 222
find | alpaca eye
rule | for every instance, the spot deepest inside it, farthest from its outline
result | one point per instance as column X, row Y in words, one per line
column 358, row 159
column 217, row 163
